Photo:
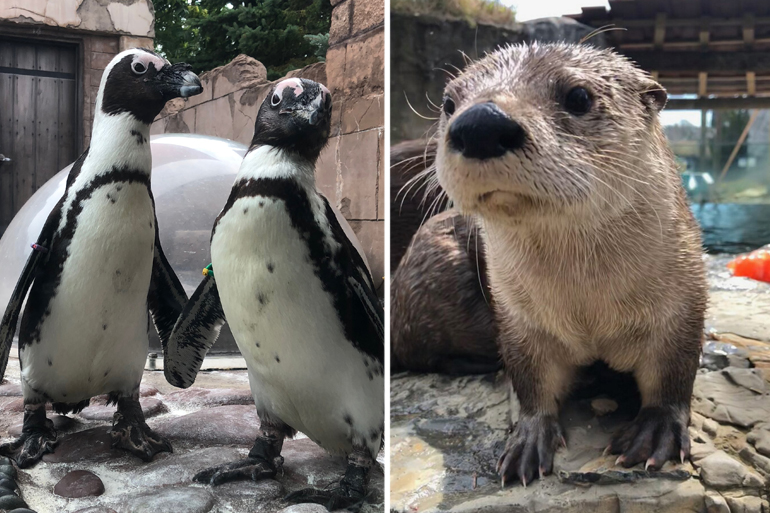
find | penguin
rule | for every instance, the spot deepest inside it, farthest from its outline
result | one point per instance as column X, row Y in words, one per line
column 299, row 300
column 97, row 272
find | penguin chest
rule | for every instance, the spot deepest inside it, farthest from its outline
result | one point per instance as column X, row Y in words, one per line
column 94, row 338
column 301, row 367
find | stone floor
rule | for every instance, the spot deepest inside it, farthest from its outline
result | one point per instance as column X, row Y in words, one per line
column 212, row 423
column 446, row 433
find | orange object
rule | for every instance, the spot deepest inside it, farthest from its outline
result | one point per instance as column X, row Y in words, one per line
column 754, row 265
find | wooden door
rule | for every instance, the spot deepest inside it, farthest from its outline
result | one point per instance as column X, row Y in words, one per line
column 38, row 118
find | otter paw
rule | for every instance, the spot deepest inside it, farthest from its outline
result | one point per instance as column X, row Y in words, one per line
column 530, row 449
column 656, row 435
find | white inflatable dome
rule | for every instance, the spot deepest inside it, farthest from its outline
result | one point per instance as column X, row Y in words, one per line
column 191, row 180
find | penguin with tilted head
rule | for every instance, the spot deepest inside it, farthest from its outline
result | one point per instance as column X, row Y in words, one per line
column 299, row 301
column 97, row 269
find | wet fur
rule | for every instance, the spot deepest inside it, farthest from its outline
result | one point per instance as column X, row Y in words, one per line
column 593, row 253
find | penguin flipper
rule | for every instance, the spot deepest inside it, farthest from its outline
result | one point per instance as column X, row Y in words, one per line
column 167, row 298
column 195, row 332
column 13, row 310
column 363, row 315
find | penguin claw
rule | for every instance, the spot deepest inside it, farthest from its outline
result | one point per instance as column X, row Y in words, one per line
column 255, row 469
column 30, row 448
column 138, row 439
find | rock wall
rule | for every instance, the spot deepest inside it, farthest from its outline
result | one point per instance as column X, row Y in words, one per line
column 127, row 17
column 427, row 51
column 350, row 171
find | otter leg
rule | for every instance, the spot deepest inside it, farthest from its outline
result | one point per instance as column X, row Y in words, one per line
column 659, row 431
column 263, row 459
column 131, row 432
column 349, row 493
column 541, row 377
column 38, row 437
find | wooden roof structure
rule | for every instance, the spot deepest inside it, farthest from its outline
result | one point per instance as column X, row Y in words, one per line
column 718, row 50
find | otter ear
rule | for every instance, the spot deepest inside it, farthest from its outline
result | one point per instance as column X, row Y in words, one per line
column 654, row 95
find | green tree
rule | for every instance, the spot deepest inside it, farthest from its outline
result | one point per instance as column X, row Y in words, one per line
column 210, row 33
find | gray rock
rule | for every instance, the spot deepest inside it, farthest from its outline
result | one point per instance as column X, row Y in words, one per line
column 196, row 397
column 6, row 491
column 8, row 471
column 750, row 379
column 175, row 468
column 715, row 503
column 79, row 483
column 602, row 406
column 10, row 502
column 760, row 439
column 246, row 495
column 147, row 390
column 150, row 407
column 6, row 482
column 221, row 425
column 96, row 509
column 720, row 471
column 21, row 510
column 747, row 504
column 716, row 396
column 304, row 508
column 93, row 445
column 178, row 500
column 755, row 459
column 10, row 389
column 710, row 427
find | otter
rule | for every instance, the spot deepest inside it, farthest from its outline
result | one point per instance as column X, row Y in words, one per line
column 441, row 314
column 592, row 252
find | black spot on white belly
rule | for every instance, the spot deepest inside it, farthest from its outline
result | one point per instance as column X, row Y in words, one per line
column 374, row 435
column 277, row 359
column 246, row 210
column 348, row 419
column 119, row 188
column 107, row 372
column 109, row 197
column 371, row 376
column 261, row 203
column 256, row 344
column 270, row 267
column 263, row 299
column 139, row 137
column 104, row 327
column 50, row 363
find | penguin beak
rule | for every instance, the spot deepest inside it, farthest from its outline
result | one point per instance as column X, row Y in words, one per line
column 177, row 81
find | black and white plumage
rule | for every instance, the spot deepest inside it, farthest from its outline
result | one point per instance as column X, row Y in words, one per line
column 296, row 293
column 84, row 329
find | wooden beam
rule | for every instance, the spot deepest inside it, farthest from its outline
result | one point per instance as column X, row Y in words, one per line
column 704, row 34
column 720, row 103
column 751, row 83
column 738, row 145
column 660, row 30
column 702, row 83
column 713, row 62
column 673, row 45
column 655, row 75
column 677, row 22
column 748, row 30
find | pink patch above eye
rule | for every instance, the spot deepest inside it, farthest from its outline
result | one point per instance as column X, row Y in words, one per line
column 324, row 92
column 293, row 83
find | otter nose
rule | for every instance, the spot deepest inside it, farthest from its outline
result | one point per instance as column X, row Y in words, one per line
column 485, row 132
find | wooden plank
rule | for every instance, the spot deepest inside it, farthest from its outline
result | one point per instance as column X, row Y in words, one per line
column 751, row 83
column 704, row 33
column 68, row 121
column 6, row 137
column 702, row 83
column 660, row 30
column 756, row 102
column 47, row 117
column 748, row 30
column 735, row 62
column 24, row 126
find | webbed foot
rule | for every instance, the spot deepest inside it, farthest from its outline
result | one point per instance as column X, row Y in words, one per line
column 131, row 432
column 38, row 437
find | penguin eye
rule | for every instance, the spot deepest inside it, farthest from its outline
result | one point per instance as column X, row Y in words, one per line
column 449, row 106
column 275, row 100
column 578, row 101
column 138, row 68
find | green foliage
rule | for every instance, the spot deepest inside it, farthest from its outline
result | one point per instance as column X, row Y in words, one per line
column 210, row 33
column 321, row 43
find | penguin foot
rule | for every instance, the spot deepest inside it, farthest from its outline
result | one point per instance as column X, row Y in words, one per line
column 255, row 469
column 38, row 437
column 349, row 493
column 131, row 432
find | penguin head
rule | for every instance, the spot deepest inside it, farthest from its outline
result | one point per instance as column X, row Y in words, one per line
column 295, row 116
column 140, row 82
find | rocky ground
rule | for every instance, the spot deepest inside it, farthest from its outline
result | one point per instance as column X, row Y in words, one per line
column 212, row 423
column 446, row 433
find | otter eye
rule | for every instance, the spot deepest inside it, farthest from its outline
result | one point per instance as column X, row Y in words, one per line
column 275, row 100
column 578, row 101
column 138, row 68
column 449, row 106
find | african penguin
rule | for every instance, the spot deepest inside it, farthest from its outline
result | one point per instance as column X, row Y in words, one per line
column 97, row 269
column 299, row 300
